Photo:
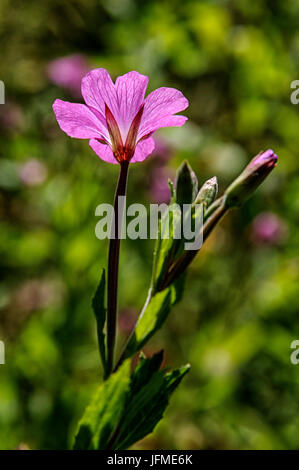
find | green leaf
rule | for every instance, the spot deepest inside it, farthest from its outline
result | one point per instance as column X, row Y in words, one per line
column 166, row 247
column 102, row 416
column 144, row 370
column 177, row 289
column 147, row 401
column 126, row 408
column 186, row 184
column 98, row 305
column 150, row 320
column 170, row 242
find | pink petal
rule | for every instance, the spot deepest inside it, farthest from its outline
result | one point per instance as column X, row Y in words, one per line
column 143, row 149
column 130, row 90
column 76, row 120
column 97, row 89
column 159, row 107
column 103, row 151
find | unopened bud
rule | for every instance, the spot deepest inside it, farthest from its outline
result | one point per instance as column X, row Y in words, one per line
column 208, row 192
column 250, row 178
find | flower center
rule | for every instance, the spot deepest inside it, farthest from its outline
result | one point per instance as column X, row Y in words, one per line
column 121, row 155
column 123, row 152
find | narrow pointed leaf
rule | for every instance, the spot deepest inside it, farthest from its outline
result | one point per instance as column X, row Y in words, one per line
column 166, row 247
column 186, row 184
column 177, row 289
column 150, row 321
column 150, row 400
column 103, row 414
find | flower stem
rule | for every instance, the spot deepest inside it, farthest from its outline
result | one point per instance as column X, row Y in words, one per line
column 113, row 262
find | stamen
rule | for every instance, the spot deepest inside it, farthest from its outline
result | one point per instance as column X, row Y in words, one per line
column 113, row 130
column 120, row 151
column 132, row 134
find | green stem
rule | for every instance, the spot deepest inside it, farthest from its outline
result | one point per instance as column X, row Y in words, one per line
column 113, row 263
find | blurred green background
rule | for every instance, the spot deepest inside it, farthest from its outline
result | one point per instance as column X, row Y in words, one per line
column 234, row 60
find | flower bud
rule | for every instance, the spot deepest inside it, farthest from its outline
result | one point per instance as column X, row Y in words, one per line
column 250, row 178
column 207, row 192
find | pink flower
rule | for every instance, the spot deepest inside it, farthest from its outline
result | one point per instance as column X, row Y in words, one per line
column 68, row 72
column 268, row 228
column 117, row 119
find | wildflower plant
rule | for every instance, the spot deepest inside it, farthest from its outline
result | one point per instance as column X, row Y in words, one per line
column 119, row 122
